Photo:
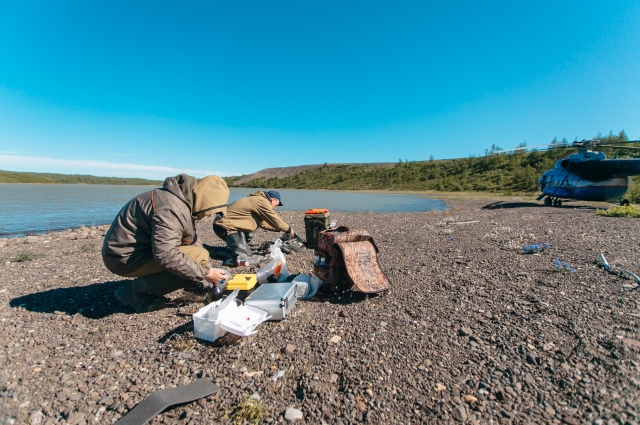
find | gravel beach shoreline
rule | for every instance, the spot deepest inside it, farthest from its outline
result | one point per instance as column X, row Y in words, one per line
column 473, row 331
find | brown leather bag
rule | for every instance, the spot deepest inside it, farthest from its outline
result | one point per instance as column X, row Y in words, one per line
column 350, row 262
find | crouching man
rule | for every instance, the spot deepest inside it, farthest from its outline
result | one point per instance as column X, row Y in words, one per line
column 247, row 214
column 153, row 238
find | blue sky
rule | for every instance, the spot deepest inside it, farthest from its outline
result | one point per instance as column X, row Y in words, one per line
column 151, row 89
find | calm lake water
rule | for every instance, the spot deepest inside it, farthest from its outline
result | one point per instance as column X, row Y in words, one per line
column 37, row 208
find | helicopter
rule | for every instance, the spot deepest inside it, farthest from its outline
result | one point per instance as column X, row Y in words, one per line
column 588, row 175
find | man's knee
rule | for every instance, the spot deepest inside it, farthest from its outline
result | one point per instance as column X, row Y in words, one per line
column 196, row 253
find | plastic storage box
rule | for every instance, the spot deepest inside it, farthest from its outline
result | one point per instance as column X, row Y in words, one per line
column 277, row 299
column 216, row 319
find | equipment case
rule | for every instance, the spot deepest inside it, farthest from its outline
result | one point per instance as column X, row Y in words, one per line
column 277, row 299
column 315, row 221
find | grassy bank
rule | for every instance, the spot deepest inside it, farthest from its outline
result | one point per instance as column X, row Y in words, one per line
column 26, row 177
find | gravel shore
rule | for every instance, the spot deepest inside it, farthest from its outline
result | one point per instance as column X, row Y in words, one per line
column 474, row 330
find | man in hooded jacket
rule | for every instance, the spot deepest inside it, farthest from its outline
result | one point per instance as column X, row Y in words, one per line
column 247, row 214
column 153, row 238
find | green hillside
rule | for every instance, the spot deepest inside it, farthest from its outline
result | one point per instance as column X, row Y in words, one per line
column 22, row 177
column 497, row 171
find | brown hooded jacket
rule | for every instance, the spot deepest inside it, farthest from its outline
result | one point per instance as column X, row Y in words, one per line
column 248, row 213
column 153, row 226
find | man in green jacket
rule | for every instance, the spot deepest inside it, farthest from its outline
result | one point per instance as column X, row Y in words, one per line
column 247, row 214
column 153, row 239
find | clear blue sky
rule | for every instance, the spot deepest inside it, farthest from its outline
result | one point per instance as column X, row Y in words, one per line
column 154, row 88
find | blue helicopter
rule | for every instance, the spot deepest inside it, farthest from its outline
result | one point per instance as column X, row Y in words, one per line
column 589, row 176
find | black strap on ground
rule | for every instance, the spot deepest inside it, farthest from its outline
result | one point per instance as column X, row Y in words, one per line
column 159, row 400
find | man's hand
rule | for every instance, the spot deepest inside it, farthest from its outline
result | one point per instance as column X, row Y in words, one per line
column 291, row 232
column 216, row 275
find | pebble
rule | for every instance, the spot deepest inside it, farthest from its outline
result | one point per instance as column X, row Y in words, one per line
column 465, row 331
column 35, row 418
column 291, row 415
column 459, row 413
column 289, row 349
column 335, row 339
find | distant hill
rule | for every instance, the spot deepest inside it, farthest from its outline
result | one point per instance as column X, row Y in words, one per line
column 283, row 172
column 51, row 178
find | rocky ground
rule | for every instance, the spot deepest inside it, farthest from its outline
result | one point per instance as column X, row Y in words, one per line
column 474, row 330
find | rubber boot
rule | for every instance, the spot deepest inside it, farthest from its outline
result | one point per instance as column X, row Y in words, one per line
column 137, row 295
column 145, row 294
column 220, row 252
column 238, row 244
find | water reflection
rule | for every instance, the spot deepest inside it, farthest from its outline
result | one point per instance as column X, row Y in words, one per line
column 36, row 208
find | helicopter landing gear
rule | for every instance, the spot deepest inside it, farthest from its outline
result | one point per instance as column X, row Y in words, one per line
column 625, row 202
column 549, row 201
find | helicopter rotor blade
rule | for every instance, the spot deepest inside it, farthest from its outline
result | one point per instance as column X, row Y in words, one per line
column 634, row 148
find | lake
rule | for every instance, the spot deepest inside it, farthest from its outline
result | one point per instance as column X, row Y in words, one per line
column 38, row 208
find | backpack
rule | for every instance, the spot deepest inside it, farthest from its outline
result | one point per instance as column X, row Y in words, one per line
column 347, row 260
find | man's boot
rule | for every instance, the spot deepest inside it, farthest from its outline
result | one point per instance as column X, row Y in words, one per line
column 137, row 295
column 238, row 244
column 219, row 252
column 145, row 294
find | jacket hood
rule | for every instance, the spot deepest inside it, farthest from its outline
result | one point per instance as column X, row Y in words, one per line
column 210, row 196
column 258, row 193
column 182, row 187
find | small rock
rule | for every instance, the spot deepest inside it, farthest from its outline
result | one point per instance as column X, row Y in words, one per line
column 369, row 392
column 114, row 406
column 105, row 400
column 342, row 313
column 333, row 378
column 459, row 413
column 116, row 353
column 470, row 399
column 35, row 418
column 383, row 324
column 75, row 396
column 570, row 420
column 255, row 396
column 465, row 331
column 289, row 349
column 335, row 339
column 292, row 415
column 440, row 387
column 550, row 410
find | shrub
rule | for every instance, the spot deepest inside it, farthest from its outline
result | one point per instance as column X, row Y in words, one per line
column 86, row 248
column 627, row 211
column 23, row 257
column 248, row 410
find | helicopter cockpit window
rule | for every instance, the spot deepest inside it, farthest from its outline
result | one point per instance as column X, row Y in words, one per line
column 564, row 163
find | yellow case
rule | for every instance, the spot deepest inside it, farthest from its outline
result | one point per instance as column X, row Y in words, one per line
column 242, row 282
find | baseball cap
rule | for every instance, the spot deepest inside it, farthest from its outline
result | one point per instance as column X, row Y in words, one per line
column 273, row 194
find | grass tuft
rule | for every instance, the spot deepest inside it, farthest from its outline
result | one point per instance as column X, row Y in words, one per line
column 67, row 252
column 86, row 248
column 249, row 410
column 630, row 211
column 23, row 257
column 182, row 342
column 1, row 262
